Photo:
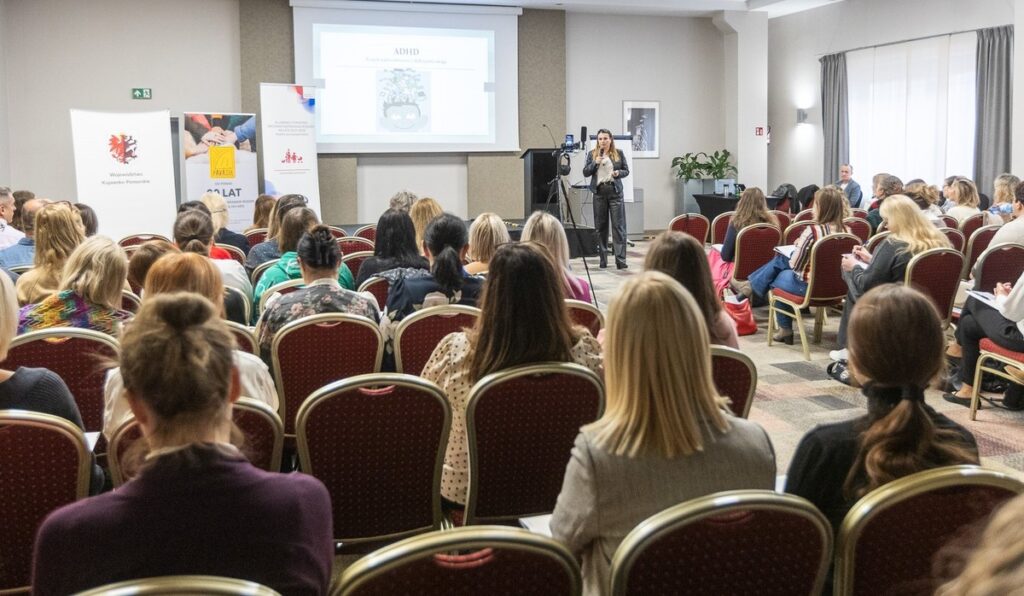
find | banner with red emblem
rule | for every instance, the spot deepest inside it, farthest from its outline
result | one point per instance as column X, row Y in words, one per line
column 124, row 170
column 289, row 142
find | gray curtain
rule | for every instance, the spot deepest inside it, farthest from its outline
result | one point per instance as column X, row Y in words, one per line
column 835, row 118
column 994, row 97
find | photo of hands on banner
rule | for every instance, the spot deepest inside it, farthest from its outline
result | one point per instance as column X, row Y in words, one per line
column 214, row 130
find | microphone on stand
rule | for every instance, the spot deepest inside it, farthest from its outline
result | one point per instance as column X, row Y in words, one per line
column 550, row 134
column 583, row 138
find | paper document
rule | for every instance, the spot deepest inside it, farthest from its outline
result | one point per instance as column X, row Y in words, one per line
column 786, row 250
column 538, row 524
column 985, row 297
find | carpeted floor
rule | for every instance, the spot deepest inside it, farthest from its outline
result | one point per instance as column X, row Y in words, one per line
column 794, row 395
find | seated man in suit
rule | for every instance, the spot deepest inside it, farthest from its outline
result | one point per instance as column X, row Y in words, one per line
column 851, row 189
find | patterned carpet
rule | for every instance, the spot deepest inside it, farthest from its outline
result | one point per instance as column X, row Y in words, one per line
column 794, row 395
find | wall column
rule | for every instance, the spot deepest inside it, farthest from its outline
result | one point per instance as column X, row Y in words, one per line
column 746, row 92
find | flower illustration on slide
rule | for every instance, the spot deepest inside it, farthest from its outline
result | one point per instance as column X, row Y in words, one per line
column 403, row 98
column 122, row 148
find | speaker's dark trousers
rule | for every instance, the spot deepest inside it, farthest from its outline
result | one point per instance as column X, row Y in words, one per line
column 608, row 204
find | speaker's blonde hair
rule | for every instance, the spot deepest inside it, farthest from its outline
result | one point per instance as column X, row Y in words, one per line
column 658, row 385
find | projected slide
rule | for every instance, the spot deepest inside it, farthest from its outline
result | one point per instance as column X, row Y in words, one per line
column 386, row 85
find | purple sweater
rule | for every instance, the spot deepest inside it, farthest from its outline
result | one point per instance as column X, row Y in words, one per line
column 197, row 511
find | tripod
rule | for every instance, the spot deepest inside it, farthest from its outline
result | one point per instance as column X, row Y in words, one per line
column 556, row 191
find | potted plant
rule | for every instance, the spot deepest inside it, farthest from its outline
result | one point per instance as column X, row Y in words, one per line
column 697, row 173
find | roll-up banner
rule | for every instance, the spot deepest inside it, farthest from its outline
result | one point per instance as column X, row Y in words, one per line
column 220, row 156
column 289, row 142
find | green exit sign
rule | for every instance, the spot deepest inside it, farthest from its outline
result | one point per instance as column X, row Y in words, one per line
column 142, row 93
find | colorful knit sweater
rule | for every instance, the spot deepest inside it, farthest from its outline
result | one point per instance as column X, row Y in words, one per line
column 68, row 309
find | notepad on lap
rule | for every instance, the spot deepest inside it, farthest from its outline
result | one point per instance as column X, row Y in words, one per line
column 538, row 524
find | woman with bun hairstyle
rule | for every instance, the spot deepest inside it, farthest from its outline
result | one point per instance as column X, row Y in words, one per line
column 318, row 259
column 193, row 232
column 197, row 506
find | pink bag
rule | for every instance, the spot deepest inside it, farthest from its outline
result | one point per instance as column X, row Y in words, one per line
column 721, row 271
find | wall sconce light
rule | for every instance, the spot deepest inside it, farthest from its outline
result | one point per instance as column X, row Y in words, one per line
column 801, row 116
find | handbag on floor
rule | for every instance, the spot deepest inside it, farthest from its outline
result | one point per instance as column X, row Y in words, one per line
column 741, row 313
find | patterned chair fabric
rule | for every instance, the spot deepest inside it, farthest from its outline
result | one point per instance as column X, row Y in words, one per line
column 521, row 424
column 355, row 260
column 233, row 251
column 493, row 560
column 727, row 543
column 735, row 377
column 861, row 213
column 318, row 350
column 794, row 230
column 244, row 337
column 137, row 239
column 354, row 244
column 784, row 219
column 805, row 215
column 44, row 464
column 258, row 272
column 585, row 314
column 955, row 237
column 936, row 273
column 719, row 225
column 377, row 443
column 876, row 240
column 123, row 455
column 1002, row 263
column 972, row 224
column 379, row 287
column 369, row 232
column 418, row 334
column 950, row 222
column 977, row 244
column 693, row 224
column 755, row 246
column 858, row 227
column 889, row 539
column 80, row 357
column 175, row 585
column 337, row 232
column 256, row 236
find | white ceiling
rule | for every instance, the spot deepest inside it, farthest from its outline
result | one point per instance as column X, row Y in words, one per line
column 683, row 8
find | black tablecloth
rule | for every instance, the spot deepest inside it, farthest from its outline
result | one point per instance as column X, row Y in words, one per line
column 711, row 206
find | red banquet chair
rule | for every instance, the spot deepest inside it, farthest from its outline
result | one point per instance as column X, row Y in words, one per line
column 977, row 243
column 1000, row 355
column 315, row 351
column 235, row 252
column 80, row 357
column 137, row 239
column 521, row 423
column 861, row 213
column 936, row 273
column 693, row 224
column 793, row 231
column 368, row 231
column 377, row 442
column 805, row 215
column 735, row 377
column 245, row 337
column 727, row 543
column 825, row 288
column 585, row 314
column 972, row 224
column 256, row 236
column 755, row 246
column 875, row 240
column 784, row 219
column 355, row 260
column 719, row 226
column 130, row 301
column 378, row 286
column 1000, row 263
column 44, row 465
column 491, row 560
column 955, row 237
column 888, row 541
column 419, row 333
column 354, row 244
column 858, row 227
column 285, row 287
column 337, row 232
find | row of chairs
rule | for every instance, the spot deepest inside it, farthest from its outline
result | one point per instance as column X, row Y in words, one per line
column 726, row 543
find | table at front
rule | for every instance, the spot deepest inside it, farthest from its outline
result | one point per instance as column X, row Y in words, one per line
column 711, row 206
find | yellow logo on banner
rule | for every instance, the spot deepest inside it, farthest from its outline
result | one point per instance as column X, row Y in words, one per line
column 222, row 162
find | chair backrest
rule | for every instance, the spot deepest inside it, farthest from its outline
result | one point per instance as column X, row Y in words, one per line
column 419, row 333
column 369, row 231
column 826, row 276
column 19, row 269
column 80, row 357
column 784, row 219
column 805, row 215
column 122, row 456
column 337, row 232
column 315, row 351
column 130, row 301
column 861, row 213
column 494, row 560
column 858, row 227
column 44, row 464
column 245, row 337
column 175, row 585
column 260, row 269
column 521, row 424
column 378, row 286
column 972, row 224
column 875, row 240
column 693, row 224
column 235, row 252
column 353, row 244
column 242, row 298
column 936, row 272
column 285, row 287
column 355, row 260
column 585, row 314
column 755, row 246
column 794, row 230
column 727, row 543
column 950, row 221
column 137, row 239
column 377, row 442
column 719, row 226
column 735, row 377
column 977, row 243
column 955, row 237
column 1000, row 263
column 887, row 541
column 256, row 236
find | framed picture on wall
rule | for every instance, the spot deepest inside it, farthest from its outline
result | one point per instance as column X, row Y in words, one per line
column 640, row 119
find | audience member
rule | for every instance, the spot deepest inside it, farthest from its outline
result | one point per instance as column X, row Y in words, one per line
column 394, row 248
column 996, row 564
column 1001, row 210
column 523, row 320
column 197, row 499
column 90, row 222
column 319, row 261
column 666, row 435
column 23, row 253
column 219, row 214
column 896, row 345
column 422, row 213
column 262, row 209
column 886, row 186
column 752, row 208
column 965, row 196
column 34, row 389
column 217, row 253
column 791, row 274
column 89, row 293
column 9, row 235
column 544, row 228
column 851, row 190
column 20, row 198
column 193, row 232
column 403, row 200
column 58, row 231
column 681, row 257
column 946, row 203
column 268, row 250
column 188, row 272
column 486, row 234
column 926, row 198
column 142, row 260
column 1014, row 230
